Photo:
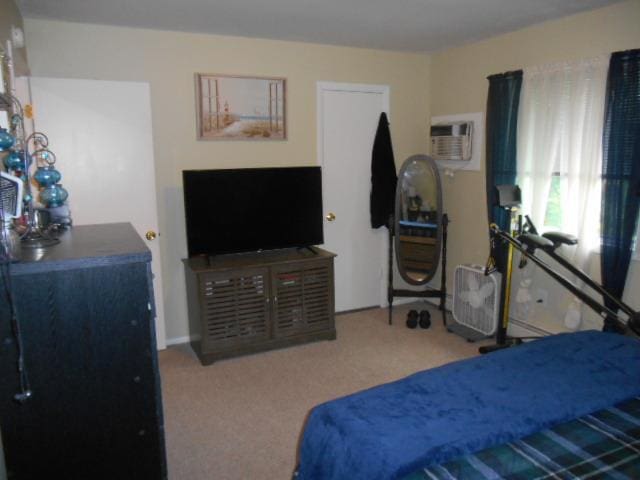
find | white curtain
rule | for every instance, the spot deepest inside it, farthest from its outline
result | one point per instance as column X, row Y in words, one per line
column 559, row 133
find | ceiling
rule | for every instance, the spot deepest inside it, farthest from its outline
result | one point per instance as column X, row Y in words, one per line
column 405, row 25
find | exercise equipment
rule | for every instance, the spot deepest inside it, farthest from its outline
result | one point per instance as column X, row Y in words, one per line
column 508, row 197
column 528, row 243
column 412, row 319
column 524, row 237
column 558, row 239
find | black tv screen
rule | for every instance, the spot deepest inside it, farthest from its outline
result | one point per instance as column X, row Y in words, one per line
column 243, row 210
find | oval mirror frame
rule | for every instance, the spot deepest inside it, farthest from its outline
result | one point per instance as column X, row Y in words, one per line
column 413, row 224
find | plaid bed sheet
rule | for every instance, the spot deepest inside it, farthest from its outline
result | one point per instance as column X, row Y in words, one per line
column 603, row 445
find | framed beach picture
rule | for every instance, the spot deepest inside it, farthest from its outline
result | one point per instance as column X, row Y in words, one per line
column 240, row 108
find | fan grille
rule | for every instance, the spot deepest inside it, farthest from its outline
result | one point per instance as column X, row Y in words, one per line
column 483, row 318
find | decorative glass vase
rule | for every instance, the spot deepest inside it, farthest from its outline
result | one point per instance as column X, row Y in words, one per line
column 10, row 245
column 14, row 161
column 6, row 140
column 53, row 196
column 47, row 176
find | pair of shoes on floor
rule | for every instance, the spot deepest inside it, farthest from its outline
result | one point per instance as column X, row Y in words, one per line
column 423, row 319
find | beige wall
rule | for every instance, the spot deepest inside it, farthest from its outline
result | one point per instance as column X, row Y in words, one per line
column 168, row 60
column 10, row 16
column 459, row 85
column 450, row 82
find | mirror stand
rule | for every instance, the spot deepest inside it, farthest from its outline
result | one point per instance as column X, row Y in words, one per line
column 440, row 293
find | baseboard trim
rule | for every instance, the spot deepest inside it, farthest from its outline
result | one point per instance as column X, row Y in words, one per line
column 448, row 302
column 401, row 301
column 529, row 328
column 182, row 340
column 354, row 310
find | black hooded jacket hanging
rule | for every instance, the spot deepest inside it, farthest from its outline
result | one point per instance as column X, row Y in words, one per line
column 383, row 176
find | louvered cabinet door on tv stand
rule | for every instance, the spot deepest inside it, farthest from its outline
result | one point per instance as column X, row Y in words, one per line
column 246, row 303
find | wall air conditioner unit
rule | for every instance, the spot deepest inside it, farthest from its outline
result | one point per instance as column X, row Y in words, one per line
column 452, row 141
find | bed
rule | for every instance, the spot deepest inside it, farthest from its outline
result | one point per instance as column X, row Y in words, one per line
column 604, row 444
column 401, row 429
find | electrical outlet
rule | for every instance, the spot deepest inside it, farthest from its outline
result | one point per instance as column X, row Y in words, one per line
column 542, row 297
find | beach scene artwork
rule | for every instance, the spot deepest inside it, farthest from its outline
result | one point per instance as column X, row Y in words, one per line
column 240, row 108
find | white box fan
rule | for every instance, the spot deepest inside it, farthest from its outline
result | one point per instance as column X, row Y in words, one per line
column 476, row 299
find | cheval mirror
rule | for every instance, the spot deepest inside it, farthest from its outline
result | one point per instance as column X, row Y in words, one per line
column 419, row 231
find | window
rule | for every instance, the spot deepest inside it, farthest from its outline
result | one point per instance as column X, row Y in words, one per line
column 553, row 215
column 560, row 124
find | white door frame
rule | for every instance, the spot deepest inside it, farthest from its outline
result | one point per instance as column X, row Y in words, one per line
column 383, row 90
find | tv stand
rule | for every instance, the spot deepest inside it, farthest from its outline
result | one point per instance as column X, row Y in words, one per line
column 247, row 303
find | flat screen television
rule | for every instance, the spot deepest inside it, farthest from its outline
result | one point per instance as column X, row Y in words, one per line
column 252, row 209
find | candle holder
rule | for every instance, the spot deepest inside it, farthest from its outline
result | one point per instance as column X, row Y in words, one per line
column 24, row 153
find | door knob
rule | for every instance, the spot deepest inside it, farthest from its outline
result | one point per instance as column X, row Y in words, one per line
column 151, row 235
column 331, row 216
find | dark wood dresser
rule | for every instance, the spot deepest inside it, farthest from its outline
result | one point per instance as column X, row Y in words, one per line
column 85, row 307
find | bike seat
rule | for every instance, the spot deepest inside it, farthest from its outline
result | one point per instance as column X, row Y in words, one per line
column 532, row 242
column 559, row 238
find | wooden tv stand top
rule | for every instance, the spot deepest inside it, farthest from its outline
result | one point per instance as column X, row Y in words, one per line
column 264, row 258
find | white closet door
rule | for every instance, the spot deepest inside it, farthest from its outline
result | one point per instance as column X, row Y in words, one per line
column 347, row 121
column 101, row 134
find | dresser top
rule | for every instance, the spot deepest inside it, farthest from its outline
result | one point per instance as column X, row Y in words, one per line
column 85, row 246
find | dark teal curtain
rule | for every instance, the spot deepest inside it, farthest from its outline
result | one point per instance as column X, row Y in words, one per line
column 501, row 127
column 620, row 171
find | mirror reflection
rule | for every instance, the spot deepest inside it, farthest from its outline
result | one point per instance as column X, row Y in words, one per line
column 418, row 214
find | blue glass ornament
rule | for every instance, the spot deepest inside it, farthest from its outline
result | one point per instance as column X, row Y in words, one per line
column 47, row 176
column 53, row 196
column 6, row 140
column 14, row 161
column 27, row 198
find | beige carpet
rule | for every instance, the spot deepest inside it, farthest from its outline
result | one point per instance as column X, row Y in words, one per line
column 241, row 418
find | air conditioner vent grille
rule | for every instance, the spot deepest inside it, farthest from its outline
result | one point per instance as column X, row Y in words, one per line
column 452, row 141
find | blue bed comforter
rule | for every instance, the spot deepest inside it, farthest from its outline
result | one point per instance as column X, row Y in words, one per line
column 433, row 416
